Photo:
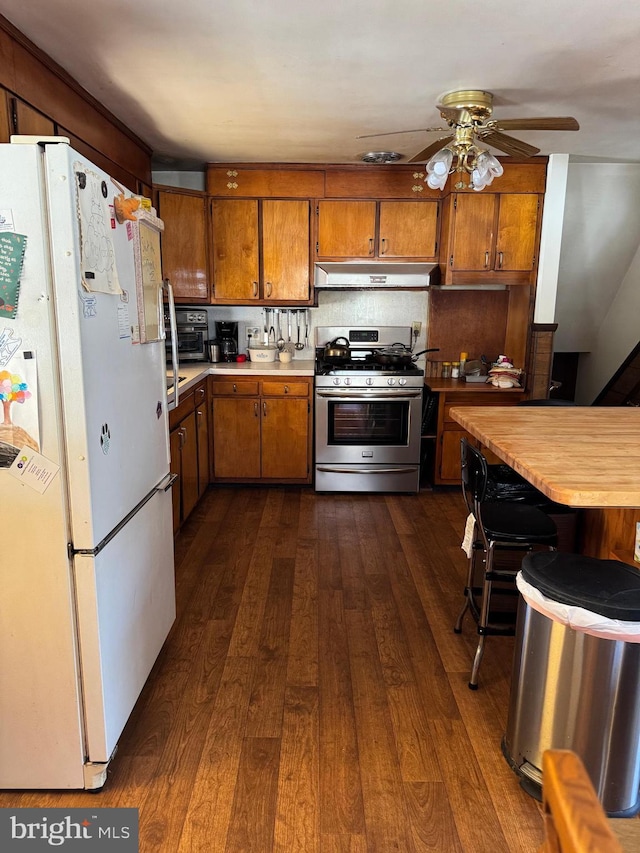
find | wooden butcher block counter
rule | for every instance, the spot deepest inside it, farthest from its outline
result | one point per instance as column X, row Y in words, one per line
column 586, row 457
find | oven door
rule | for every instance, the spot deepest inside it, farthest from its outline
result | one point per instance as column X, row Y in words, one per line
column 376, row 427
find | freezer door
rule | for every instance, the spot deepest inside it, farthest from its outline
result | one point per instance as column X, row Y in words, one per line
column 126, row 606
column 113, row 390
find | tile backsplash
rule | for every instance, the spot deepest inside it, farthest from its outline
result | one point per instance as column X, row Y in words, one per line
column 337, row 308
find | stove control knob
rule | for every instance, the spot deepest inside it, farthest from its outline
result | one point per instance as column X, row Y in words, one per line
column 402, row 381
column 391, row 381
column 369, row 380
column 336, row 380
column 347, row 380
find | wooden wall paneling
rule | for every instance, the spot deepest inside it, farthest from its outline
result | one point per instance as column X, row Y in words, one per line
column 116, row 171
column 47, row 87
column 5, row 120
column 540, row 359
column 7, row 74
column 473, row 321
column 518, row 320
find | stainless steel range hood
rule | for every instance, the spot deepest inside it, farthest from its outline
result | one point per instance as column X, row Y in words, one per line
column 371, row 275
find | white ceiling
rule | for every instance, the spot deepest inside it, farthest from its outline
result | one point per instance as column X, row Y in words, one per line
column 299, row 80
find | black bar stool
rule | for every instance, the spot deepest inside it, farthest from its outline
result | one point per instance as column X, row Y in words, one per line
column 497, row 525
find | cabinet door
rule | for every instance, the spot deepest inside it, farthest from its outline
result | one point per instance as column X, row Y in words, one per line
column 235, row 249
column 285, row 250
column 175, row 440
column 202, row 425
column 5, row 121
column 517, row 231
column 285, row 438
column 449, row 471
column 408, row 229
column 473, row 223
column 184, row 244
column 29, row 122
column 189, row 464
column 236, row 438
column 346, row 229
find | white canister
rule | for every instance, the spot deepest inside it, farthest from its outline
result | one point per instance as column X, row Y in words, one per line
column 285, row 356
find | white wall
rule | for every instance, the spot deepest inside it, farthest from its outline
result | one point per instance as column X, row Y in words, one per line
column 597, row 307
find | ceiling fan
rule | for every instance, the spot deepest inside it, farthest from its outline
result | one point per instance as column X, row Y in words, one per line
column 467, row 113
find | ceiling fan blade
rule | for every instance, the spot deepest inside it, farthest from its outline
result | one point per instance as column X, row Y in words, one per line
column 427, row 153
column 558, row 123
column 508, row 144
column 395, row 132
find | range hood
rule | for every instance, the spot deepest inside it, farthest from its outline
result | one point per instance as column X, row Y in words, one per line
column 371, row 275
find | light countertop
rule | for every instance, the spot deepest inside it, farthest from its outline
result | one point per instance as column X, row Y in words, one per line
column 197, row 371
column 583, row 456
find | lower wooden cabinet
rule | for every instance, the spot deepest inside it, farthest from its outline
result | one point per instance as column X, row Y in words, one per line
column 189, row 442
column 261, row 429
column 449, row 432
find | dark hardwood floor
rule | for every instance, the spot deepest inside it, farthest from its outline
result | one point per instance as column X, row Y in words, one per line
column 312, row 696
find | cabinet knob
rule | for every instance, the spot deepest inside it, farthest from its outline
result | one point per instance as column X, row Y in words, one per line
column 417, row 188
column 264, row 408
column 286, row 389
column 500, row 258
column 235, row 388
column 255, row 287
column 486, row 260
column 255, row 409
column 371, row 245
column 268, row 288
column 383, row 243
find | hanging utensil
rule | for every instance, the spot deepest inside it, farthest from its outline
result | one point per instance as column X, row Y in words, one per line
column 289, row 325
column 306, row 327
column 298, row 344
column 280, row 341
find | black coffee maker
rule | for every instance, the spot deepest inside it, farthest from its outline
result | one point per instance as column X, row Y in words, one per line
column 227, row 339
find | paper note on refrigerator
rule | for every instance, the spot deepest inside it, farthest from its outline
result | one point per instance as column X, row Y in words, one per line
column 33, row 469
column 98, row 258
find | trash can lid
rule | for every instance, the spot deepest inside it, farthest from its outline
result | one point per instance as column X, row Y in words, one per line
column 607, row 587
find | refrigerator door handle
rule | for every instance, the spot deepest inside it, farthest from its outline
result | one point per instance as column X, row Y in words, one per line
column 162, row 486
column 166, row 483
column 166, row 285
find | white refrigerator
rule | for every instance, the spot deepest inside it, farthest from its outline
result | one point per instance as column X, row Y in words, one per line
column 87, row 591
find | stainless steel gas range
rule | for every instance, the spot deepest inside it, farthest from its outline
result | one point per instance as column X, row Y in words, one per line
column 368, row 410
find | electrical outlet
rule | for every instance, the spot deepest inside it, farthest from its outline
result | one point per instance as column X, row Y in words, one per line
column 416, row 327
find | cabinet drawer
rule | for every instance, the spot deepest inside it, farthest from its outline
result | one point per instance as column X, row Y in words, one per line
column 186, row 405
column 237, row 387
column 265, row 183
column 280, row 388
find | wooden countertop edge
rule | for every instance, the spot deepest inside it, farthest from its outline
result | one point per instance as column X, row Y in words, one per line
column 591, row 498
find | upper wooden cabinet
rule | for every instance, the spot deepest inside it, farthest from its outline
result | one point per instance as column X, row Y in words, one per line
column 490, row 236
column 29, row 122
column 259, row 182
column 261, row 250
column 377, row 229
column 184, row 243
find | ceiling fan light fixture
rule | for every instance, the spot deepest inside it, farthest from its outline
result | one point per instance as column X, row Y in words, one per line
column 381, row 157
column 487, row 167
column 438, row 168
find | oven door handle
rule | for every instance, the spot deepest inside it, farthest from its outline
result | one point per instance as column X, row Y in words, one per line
column 360, row 395
column 337, row 470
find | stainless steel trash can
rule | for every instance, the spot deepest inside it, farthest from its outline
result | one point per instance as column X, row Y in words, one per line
column 577, row 688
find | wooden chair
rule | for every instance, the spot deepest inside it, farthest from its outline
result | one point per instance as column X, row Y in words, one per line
column 574, row 819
